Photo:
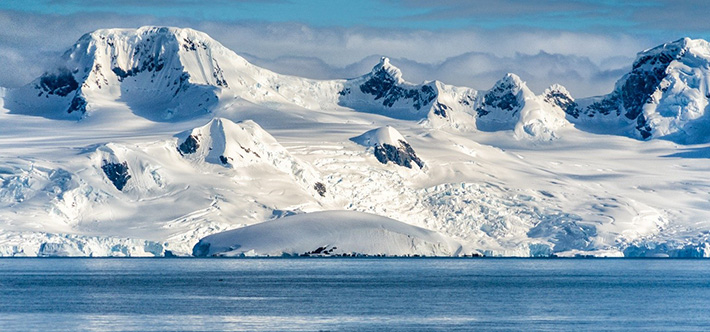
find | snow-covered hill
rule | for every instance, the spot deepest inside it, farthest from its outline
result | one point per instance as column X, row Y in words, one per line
column 179, row 138
column 389, row 146
column 331, row 233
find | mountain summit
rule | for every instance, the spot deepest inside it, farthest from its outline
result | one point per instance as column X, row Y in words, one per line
column 665, row 94
column 178, row 69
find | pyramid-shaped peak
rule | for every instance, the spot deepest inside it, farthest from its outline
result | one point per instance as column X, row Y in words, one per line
column 230, row 130
column 390, row 146
column 385, row 61
column 557, row 89
column 510, row 83
column 557, row 95
column 222, row 141
column 244, row 144
column 385, row 70
column 510, row 80
column 380, row 136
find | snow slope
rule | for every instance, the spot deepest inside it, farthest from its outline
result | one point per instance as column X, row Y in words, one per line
column 331, row 233
column 143, row 166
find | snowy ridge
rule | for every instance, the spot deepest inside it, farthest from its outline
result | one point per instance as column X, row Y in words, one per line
column 159, row 73
column 223, row 142
column 168, row 74
column 331, row 233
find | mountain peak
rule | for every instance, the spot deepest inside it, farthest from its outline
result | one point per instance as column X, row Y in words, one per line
column 557, row 95
column 511, row 84
column 145, row 32
column 389, row 145
column 661, row 56
column 382, row 135
column 162, row 73
column 385, row 70
column 510, row 80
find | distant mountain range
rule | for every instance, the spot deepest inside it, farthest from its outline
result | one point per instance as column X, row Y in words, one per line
column 188, row 73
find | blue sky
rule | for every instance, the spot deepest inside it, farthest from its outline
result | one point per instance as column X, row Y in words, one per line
column 642, row 16
column 583, row 44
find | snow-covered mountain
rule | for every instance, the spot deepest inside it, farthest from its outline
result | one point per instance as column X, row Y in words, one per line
column 665, row 95
column 511, row 105
column 168, row 74
column 179, row 138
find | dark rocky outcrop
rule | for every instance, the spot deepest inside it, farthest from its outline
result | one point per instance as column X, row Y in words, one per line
column 320, row 251
column 634, row 90
column 441, row 109
column 503, row 96
column 384, row 85
column 117, row 173
column 149, row 63
column 189, row 146
column 78, row 104
column 558, row 96
column 61, row 83
column 402, row 155
column 320, row 188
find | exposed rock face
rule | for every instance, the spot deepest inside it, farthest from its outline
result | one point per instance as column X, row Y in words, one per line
column 320, row 188
column 61, row 83
column 402, row 155
column 504, row 96
column 557, row 95
column 189, row 146
column 390, row 146
column 441, row 109
column 664, row 95
column 634, row 90
column 385, row 82
column 159, row 72
column 117, row 173
column 78, row 104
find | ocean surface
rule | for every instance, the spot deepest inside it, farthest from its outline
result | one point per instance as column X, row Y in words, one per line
column 84, row 294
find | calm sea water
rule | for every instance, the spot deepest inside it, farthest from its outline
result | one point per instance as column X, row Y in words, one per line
column 353, row 294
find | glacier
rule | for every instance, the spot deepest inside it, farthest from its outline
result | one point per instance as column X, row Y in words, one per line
column 142, row 142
